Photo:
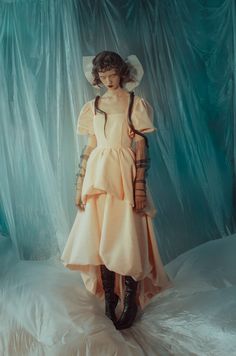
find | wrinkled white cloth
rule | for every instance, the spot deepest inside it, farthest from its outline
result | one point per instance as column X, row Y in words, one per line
column 45, row 310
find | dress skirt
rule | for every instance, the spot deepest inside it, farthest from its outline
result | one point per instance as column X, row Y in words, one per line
column 110, row 232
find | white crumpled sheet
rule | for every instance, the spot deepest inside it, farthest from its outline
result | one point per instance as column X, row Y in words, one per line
column 45, row 310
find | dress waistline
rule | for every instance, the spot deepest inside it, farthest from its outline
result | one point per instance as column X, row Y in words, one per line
column 113, row 147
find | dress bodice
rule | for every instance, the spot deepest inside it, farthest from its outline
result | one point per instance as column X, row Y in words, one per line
column 92, row 123
column 115, row 133
column 111, row 165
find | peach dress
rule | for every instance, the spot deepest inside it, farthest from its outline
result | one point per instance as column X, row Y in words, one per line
column 109, row 231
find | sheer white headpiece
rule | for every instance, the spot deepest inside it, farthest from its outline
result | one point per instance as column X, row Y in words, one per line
column 136, row 71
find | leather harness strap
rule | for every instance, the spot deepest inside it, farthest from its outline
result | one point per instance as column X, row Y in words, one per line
column 131, row 102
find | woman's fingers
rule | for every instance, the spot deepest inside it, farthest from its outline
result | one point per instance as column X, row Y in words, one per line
column 140, row 205
column 81, row 207
column 79, row 203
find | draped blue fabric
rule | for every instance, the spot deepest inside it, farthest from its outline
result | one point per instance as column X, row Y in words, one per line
column 187, row 49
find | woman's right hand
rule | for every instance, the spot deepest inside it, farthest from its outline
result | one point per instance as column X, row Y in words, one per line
column 78, row 201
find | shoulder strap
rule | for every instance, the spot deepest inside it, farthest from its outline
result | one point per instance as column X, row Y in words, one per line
column 96, row 109
column 131, row 102
column 96, row 103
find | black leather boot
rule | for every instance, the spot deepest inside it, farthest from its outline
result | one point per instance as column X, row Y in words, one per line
column 111, row 299
column 130, row 307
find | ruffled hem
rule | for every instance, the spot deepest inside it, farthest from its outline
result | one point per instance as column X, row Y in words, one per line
column 149, row 210
column 145, row 292
column 109, row 232
column 112, row 170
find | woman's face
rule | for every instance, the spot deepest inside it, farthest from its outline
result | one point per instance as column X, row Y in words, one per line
column 110, row 79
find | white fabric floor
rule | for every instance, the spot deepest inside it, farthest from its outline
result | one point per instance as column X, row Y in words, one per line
column 45, row 310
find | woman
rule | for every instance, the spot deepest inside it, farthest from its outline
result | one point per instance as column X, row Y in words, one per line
column 112, row 241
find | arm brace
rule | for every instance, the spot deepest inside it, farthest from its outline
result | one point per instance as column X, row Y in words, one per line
column 142, row 163
column 83, row 162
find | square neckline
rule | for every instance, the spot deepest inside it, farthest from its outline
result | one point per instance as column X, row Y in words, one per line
column 116, row 113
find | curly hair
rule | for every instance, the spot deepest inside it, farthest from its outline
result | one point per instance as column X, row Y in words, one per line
column 107, row 60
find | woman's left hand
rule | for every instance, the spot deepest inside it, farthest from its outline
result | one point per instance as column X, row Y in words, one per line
column 140, row 203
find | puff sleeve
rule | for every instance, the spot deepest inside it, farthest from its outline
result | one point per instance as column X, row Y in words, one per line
column 142, row 116
column 85, row 120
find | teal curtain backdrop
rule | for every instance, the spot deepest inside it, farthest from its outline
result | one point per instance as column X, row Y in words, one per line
column 187, row 49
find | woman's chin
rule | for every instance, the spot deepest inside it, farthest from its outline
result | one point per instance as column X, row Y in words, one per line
column 113, row 87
